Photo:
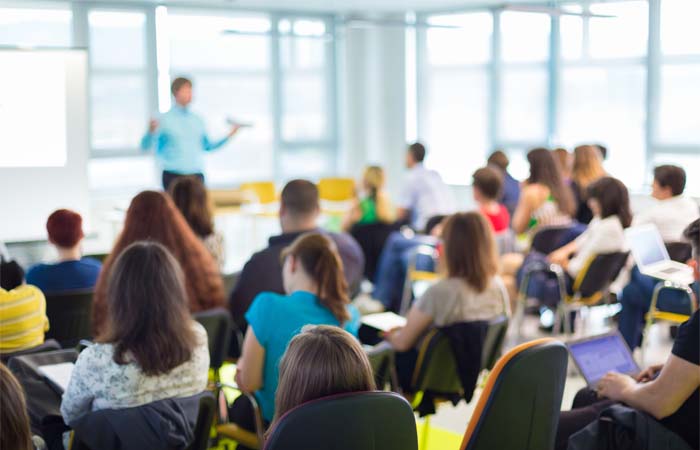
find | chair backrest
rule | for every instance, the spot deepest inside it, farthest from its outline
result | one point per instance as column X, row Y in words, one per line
column 47, row 346
column 436, row 368
column 679, row 251
column 219, row 326
column 519, row 406
column 381, row 358
column 262, row 192
column 336, row 189
column 205, row 419
column 371, row 237
column 548, row 239
column 230, row 280
column 600, row 271
column 363, row 420
column 70, row 316
column 493, row 343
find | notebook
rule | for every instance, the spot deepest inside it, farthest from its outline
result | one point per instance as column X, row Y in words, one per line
column 384, row 321
column 58, row 374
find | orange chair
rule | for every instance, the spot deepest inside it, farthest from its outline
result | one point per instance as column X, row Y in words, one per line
column 519, row 406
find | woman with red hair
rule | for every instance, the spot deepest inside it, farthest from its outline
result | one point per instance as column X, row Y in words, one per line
column 152, row 216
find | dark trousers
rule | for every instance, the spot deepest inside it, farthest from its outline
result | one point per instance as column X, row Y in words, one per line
column 586, row 408
column 241, row 412
column 169, row 177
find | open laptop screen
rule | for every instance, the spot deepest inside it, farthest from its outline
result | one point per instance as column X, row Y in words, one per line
column 599, row 355
column 646, row 245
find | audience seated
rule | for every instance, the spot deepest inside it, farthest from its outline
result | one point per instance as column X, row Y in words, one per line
column 588, row 167
column 190, row 197
column 423, row 194
column 23, row 320
column 153, row 216
column 471, row 291
column 299, row 211
column 72, row 271
column 320, row 361
column 609, row 200
column 564, row 162
column 511, row 187
column 671, row 213
column 316, row 294
column 15, row 430
column 669, row 393
column 375, row 206
column 150, row 348
column 487, row 184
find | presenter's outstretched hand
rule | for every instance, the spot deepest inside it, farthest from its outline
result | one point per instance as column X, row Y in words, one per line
column 234, row 130
column 152, row 126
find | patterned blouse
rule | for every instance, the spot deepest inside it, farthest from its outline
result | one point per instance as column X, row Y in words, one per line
column 97, row 382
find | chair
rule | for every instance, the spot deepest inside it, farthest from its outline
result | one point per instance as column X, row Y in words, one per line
column 381, row 358
column 47, row 346
column 589, row 288
column 336, row 189
column 205, row 420
column 363, row 420
column 261, row 192
column 371, row 237
column 70, row 316
column 548, row 239
column 679, row 251
column 415, row 275
column 493, row 343
column 230, row 280
column 519, row 406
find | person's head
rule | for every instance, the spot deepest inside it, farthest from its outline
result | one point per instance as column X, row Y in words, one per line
column 498, row 159
column 415, row 154
column 588, row 165
column 692, row 234
column 190, row 197
column 181, row 89
column 299, row 206
column 321, row 361
column 607, row 197
column 603, row 150
column 65, row 228
column 14, row 421
column 563, row 159
column 11, row 274
column 148, row 318
column 470, row 249
column 487, row 184
column 669, row 181
column 544, row 171
column 312, row 262
column 373, row 180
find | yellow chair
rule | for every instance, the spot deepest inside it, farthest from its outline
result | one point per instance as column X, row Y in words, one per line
column 262, row 192
column 336, row 189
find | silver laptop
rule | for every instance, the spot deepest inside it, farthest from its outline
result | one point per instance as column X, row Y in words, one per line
column 651, row 257
column 595, row 356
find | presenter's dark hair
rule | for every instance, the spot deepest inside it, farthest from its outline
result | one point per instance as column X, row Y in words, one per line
column 148, row 316
column 178, row 83
column 190, row 197
column 153, row 216
column 300, row 198
column 417, row 151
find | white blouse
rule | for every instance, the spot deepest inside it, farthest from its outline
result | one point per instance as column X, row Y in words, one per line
column 602, row 236
column 97, row 382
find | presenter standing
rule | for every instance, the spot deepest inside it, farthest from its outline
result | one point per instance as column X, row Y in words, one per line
column 180, row 138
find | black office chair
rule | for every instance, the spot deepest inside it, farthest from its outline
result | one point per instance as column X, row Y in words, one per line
column 362, row 420
column 382, row 359
column 519, row 406
column 371, row 238
column 70, row 316
column 679, row 251
column 548, row 239
column 205, row 420
column 46, row 346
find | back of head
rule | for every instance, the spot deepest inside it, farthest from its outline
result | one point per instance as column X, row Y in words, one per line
column 11, row 274
column 319, row 362
column 300, row 198
column 470, row 249
column 190, row 197
column 65, row 228
column 563, row 159
column 543, row 170
column 148, row 316
column 320, row 260
column 603, row 150
column 672, row 177
column 613, row 198
column 417, row 151
column 489, row 182
column 692, row 234
column 15, row 432
column 499, row 159
column 588, row 165
column 373, row 179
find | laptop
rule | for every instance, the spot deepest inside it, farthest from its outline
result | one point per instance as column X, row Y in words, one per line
column 597, row 355
column 651, row 256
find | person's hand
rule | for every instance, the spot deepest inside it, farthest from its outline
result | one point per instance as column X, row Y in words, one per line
column 558, row 257
column 234, row 130
column 615, row 385
column 390, row 335
column 152, row 125
column 649, row 374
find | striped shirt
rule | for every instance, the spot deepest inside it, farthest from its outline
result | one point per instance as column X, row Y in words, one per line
column 23, row 320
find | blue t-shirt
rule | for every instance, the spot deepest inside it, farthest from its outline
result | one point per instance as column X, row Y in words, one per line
column 65, row 276
column 275, row 320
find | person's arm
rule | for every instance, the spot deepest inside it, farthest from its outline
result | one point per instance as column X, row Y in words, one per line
column 562, row 254
column 78, row 397
column 249, row 370
column 523, row 212
column 211, row 146
column 150, row 138
column 661, row 397
column 403, row 339
column 353, row 215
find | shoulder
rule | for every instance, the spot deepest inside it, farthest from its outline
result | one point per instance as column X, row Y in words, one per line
column 23, row 292
column 91, row 262
column 267, row 301
column 200, row 333
column 96, row 356
column 343, row 240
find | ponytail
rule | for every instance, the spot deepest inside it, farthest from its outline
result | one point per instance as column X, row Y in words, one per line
column 319, row 258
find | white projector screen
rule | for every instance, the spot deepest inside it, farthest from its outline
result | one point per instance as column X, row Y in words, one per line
column 43, row 138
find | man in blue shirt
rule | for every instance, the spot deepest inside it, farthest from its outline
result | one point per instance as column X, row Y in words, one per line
column 180, row 137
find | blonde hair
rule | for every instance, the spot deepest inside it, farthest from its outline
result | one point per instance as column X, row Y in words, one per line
column 588, row 165
column 373, row 180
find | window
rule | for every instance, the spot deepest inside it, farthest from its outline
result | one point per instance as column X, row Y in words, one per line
column 524, row 37
column 36, row 27
column 621, row 35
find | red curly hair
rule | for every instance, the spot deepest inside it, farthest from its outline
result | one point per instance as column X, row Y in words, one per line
column 153, row 216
